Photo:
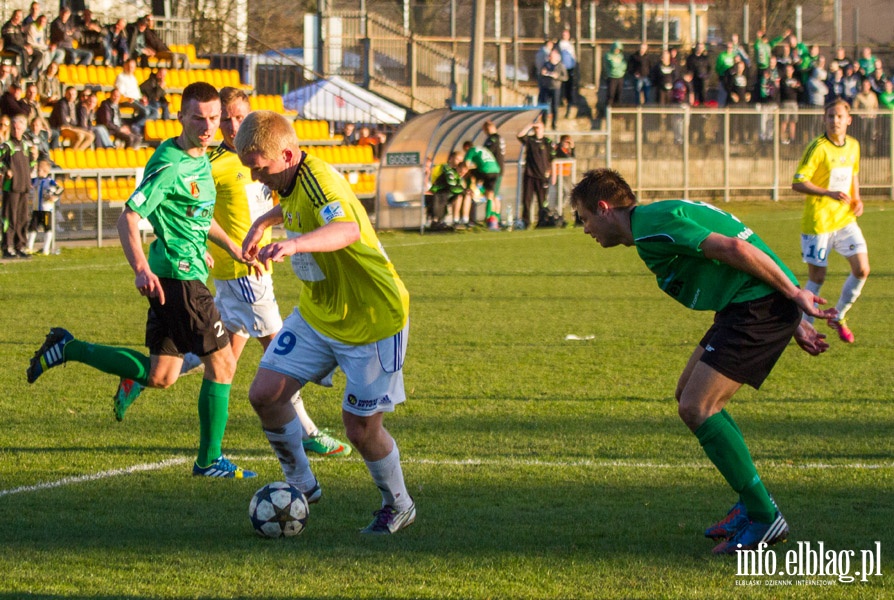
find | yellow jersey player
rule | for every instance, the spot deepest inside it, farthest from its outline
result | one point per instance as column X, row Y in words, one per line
column 353, row 312
column 827, row 174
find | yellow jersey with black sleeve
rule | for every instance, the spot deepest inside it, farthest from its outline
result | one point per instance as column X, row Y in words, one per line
column 239, row 202
column 833, row 168
column 353, row 295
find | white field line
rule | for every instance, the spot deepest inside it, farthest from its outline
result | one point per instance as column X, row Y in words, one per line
column 176, row 461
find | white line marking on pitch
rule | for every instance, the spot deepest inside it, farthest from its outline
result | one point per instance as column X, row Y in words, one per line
column 471, row 462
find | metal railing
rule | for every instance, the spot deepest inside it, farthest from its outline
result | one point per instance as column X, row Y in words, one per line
column 726, row 154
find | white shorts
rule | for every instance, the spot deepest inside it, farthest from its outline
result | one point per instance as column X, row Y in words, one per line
column 374, row 372
column 847, row 241
column 248, row 306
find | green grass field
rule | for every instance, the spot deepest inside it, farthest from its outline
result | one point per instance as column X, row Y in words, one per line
column 541, row 467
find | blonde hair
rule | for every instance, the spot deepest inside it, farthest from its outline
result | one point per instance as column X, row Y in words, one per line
column 266, row 132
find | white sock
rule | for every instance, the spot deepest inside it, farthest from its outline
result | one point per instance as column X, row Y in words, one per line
column 389, row 478
column 32, row 235
column 47, row 242
column 813, row 287
column 286, row 444
column 849, row 294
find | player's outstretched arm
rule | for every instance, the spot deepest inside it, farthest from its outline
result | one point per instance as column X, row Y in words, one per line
column 145, row 280
column 217, row 235
column 256, row 231
column 328, row 238
column 741, row 255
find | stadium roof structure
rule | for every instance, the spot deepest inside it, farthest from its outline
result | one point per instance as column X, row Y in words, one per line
column 401, row 185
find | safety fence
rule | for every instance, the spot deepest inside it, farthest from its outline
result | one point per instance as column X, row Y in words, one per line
column 727, row 154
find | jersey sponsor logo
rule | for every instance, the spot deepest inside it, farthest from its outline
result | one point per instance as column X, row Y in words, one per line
column 745, row 234
column 333, row 211
column 183, row 266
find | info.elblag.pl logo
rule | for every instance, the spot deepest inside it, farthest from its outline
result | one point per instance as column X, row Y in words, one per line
column 808, row 563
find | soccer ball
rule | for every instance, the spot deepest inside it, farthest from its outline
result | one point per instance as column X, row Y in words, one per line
column 278, row 510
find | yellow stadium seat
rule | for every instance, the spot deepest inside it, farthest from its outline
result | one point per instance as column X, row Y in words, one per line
column 90, row 158
column 131, row 160
column 81, row 75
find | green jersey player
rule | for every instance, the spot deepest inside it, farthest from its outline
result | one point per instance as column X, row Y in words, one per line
column 706, row 259
column 177, row 197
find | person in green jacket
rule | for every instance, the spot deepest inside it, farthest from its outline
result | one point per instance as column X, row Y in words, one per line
column 615, row 69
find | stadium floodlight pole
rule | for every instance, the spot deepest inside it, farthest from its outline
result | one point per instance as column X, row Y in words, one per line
column 476, row 54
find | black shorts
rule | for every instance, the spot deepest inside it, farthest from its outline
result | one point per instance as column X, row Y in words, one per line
column 488, row 180
column 747, row 338
column 188, row 321
column 41, row 220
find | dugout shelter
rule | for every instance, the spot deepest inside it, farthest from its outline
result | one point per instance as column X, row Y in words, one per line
column 401, row 183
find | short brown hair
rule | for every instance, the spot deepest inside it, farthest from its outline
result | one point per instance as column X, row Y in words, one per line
column 228, row 95
column 605, row 185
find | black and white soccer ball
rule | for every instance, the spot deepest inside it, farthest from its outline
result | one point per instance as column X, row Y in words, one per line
column 278, row 510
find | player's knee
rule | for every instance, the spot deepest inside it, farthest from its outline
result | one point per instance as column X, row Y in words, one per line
column 161, row 381
column 861, row 272
column 691, row 414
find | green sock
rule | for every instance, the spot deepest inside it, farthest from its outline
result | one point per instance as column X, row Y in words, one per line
column 727, row 450
column 731, row 421
column 214, row 401
column 123, row 362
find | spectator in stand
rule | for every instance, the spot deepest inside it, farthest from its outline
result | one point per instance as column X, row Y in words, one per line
column 33, row 13
column 763, row 48
column 38, row 135
column 32, row 102
column 64, row 120
column 817, row 90
column 785, row 58
column 726, row 60
column 738, row 87
column 639, row 65
column 569, row 60
column 93, row 36
column 664, row 74
column 8, row 75
column 790, row 87
column 145, row 44
column 878, row 77
column 62, row 35
column 543, row 55
column 15, row 40
column 835, row 82
column 350, row 135
column 109, row 115
column 809, row 61
column 699, row 64
column 381, row 142
column 119, row 44
column 552, row 77
column 866, row 62
column 851, row 84
column 39, row 39
column 87, row 120
column 798, row 51
column 17, row 159
column 565, row 149
column 886, row 98
column 867, row 101
column 766, row 99
column 131, row 96
column 12, row 101
column 682, row 94
column 841, row 58
column 615, row 69
column 739, row 49
column 153, row 90
column 49, row 88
